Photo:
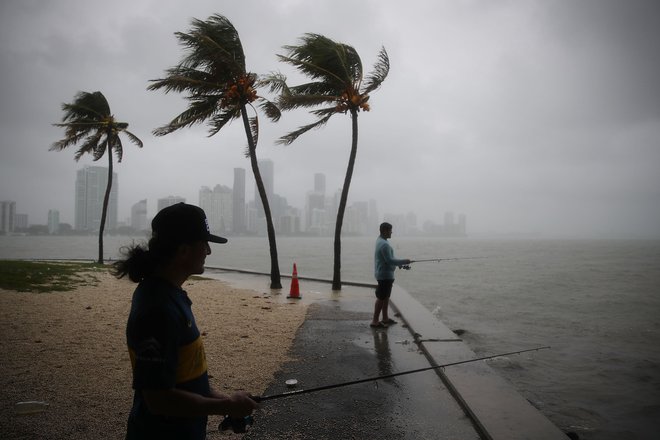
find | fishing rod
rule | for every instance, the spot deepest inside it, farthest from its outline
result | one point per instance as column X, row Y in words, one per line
column 437, row 260
column 444, row 259
column 387, row 376
column 240, row 424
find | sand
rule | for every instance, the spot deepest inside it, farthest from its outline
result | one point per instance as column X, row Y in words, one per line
column 68, row 349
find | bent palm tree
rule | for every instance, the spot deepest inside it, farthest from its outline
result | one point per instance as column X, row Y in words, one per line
column 337, row 86
column 88, row 120
column 219, row 90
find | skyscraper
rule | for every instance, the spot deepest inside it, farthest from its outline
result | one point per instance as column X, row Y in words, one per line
column 319, row 183
column 218, row 206
column 139, row 216
column 238, row 200
column 315, row 207
column 20, row 221
column 53, row 221
column 462, row 225
column 356, row 220
column 169, row 201
column 315, row 212
column 7, row 212
column 91, row 182
column 267, row 169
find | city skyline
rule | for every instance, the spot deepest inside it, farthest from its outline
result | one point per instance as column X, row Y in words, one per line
column 316, row 217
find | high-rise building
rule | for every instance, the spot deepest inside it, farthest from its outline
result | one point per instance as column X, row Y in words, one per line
column 267, row 170
column 315, row 207
column 53, row 221
column 218, row 206
column 169, row 201
column 462, row 225
column 238, row 201
column 319, row 183
column 20, row 221
column 91, row 183
column 253, row 224
column 7, row 213
column 139, row 216
column 315, row 214
column 356, row 219
column 332, row 208
column 290, row 221
column 318, row 222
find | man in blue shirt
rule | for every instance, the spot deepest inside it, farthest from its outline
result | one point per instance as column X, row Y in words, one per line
column 385, row 264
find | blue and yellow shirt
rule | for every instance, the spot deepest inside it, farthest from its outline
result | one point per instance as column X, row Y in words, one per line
column 166, row 352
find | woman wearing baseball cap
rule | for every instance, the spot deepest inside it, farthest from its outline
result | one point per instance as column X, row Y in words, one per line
column 172, row 396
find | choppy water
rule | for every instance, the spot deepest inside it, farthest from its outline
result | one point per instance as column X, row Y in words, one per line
column 597, row 303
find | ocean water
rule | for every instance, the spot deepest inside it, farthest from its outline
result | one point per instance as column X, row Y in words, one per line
column 596, row 303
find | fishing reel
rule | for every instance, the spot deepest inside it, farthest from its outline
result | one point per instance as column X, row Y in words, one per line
column 405, row 267
column 238, row 425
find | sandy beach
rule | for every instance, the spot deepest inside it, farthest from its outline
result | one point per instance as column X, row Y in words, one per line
column 68, row 349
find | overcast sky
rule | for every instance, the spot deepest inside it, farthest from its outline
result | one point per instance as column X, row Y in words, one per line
column 527, row 116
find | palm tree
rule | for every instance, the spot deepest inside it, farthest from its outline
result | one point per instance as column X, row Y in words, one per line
column 337, row 86
column 88, row 120
column 220, row 90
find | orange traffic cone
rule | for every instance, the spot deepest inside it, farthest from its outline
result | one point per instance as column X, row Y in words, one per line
column 295, row 289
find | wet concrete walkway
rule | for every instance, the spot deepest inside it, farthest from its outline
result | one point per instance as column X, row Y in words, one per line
column 335, row 345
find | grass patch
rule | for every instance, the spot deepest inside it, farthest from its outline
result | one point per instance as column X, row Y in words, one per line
column 47, row 276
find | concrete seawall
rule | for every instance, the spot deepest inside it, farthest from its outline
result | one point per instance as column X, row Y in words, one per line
column 496, row 409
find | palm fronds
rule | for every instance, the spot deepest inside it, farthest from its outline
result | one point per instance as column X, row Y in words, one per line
column 214, row 42
column 201, row 108
column 213, row 75
column 380, row 71
column 337, row 79
column 289, row 138
column 88, row 120
column 270, row 109
column 86, row 107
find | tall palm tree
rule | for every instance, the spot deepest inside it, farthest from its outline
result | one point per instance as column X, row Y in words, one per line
column 220, row 89
column 337, row 86
column 88, row 120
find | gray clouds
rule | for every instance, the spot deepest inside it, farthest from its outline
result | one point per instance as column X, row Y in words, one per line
column 526, row 116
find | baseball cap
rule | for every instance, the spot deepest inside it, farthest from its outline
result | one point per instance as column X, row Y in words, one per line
column 183, row 222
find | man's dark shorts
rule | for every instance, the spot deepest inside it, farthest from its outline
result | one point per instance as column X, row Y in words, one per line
column 384, row 289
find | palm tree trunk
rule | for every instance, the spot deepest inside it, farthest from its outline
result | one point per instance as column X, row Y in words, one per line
column 106, row 200
column 336, row 275
column 275, row 281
